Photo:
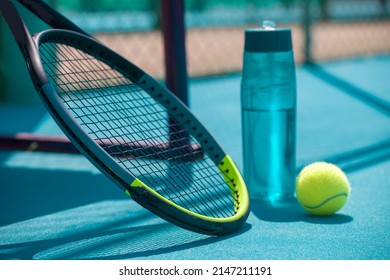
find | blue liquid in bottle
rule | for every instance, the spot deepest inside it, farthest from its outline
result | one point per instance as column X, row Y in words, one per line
column 268, row 100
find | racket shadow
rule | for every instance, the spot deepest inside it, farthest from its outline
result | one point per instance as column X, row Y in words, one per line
column 39, row 247
column 136, row 235
column 38, row 184
column 68, row 214
column 30, row 192
column 289, row 211
column 184, row 240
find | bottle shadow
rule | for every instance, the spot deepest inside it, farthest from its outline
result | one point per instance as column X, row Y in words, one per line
column 289, row 211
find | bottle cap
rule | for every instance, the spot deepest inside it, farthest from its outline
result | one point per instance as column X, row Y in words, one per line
column 268, row 38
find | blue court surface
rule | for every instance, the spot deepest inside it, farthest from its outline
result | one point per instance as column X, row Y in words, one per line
column 57, row 206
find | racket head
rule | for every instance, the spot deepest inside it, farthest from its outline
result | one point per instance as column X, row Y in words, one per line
column 95, row 95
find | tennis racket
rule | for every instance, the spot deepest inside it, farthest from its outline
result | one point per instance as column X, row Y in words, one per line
column 109, row 109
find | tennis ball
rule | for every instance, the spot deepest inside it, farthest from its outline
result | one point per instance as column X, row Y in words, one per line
column 322, row 188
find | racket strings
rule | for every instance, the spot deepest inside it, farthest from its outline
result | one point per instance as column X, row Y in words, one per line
column 119, row 113
column 92, row 108
column 214, row 197
column 116, row 110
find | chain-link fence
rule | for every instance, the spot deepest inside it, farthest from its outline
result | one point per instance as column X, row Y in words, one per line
column 132, row 28
column 322, row 29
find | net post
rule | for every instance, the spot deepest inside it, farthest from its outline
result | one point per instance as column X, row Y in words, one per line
column 307, row 25
column 174, row 48
column 176, row 78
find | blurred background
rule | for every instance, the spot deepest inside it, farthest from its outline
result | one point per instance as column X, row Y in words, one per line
column 322, row 30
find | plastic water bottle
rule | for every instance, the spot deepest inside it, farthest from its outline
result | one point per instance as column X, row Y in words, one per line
column 268, row 101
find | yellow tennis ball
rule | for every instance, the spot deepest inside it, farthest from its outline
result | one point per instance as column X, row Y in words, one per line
column 322, row 188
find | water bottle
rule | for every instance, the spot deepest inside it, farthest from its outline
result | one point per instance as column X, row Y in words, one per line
column 268, row 102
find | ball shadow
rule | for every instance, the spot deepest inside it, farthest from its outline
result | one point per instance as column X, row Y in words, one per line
column 288, row 211
column 333, row 219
